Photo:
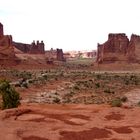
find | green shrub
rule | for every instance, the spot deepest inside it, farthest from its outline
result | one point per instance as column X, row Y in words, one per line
column 10, row 97
column 116, row 102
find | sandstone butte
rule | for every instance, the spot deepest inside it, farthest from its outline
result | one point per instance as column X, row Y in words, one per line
column 9, row 49
column 118, row 48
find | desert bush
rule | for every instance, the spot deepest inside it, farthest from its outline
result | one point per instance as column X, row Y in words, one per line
column 98, row 76
column 76, row 87
column 56, row 93
column 25, row 75
column 127, row 82
column 56, row 79
column 45, row 76
column 116, row 76
column 10, row 97
column 135, row 80
column 67, row 100
column 124, row 99
column 31, row 81
column 97, row 85
column 56, row 100
column 116, row 102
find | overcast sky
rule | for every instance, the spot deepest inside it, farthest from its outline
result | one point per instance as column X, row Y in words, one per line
column 69, row 24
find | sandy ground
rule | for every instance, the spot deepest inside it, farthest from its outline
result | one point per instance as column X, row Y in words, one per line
column 70, row 122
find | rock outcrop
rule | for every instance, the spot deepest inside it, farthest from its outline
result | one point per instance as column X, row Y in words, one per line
column 33, row 48
column 1, row 30
column 133, row 51
column 7, row 55
column 119, row 48
column 37, row 48
column 60, row 56
column 24, row 48
column 55, row 54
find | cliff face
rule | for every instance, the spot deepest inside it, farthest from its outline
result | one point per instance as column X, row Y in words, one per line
column 119, row 48
column 34, row 48
column 133, row 52
column 7, row 55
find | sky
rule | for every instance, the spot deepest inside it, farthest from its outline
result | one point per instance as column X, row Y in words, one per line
column 69, row 24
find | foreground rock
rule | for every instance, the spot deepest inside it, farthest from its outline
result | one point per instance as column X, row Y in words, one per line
column 70, row 122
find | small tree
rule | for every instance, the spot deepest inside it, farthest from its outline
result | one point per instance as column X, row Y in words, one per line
column 10, row 97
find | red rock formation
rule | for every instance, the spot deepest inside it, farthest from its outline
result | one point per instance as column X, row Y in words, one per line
column 22, row 47
column 34, row 48
column 1, row 30
column 55, row 54
column 119, row 48
column 37, row 48
column 133, row 51
column 60, row 56
column 7, row 55
column 51, row 54
column 6, row 47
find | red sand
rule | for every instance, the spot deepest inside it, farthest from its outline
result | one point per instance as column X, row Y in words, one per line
column 69, row 122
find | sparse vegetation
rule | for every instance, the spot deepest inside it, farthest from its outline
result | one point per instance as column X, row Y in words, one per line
column 124, row 99
column 116, row 102
column 10, row 98
column 56, row 100
column 97, row 85
column 82, row 86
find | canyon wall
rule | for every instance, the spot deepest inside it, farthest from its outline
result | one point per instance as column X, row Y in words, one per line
column 119, row 48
